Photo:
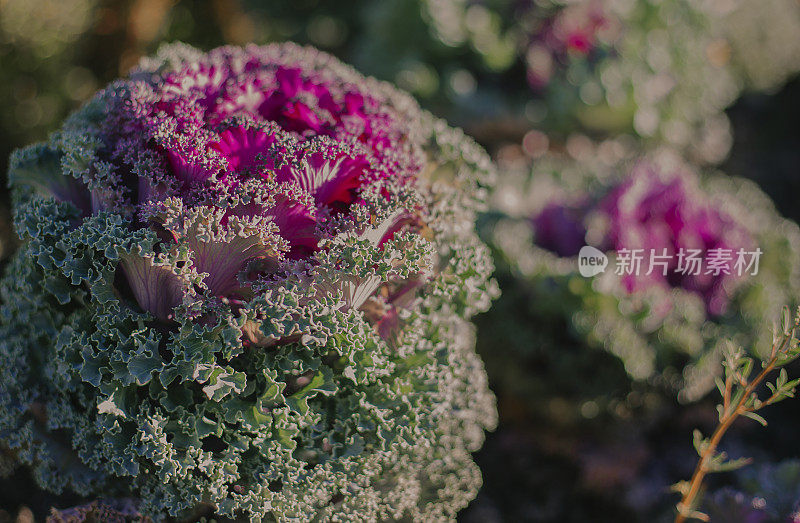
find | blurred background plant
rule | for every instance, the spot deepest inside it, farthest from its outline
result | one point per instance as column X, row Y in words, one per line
column 548, row 86
column 667, row 324
column 764, row 493
column 647, row 68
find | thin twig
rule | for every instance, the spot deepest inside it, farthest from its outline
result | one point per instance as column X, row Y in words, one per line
column 728, row 414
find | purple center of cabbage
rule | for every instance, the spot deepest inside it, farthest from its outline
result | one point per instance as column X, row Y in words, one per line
column 294, row 132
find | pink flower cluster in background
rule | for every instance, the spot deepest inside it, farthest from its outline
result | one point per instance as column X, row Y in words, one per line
column 572, row 31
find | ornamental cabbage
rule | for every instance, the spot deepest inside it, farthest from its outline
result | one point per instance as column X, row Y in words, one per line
column 665, row 317
column 245, row 285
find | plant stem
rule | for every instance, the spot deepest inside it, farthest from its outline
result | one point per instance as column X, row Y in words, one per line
column 727, row 419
